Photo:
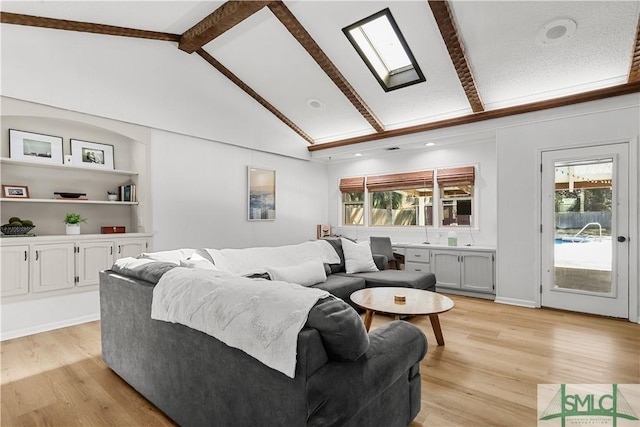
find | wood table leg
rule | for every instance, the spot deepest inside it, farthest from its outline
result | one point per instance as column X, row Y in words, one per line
column 368, row 317
column 435, row 324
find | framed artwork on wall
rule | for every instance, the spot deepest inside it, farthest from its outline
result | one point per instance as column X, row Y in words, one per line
column 35, row 147
column 261, row 194
column 91, row 154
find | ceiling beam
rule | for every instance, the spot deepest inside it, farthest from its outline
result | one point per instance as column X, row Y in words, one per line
column 252, row 93
column 449, row 31
column 84, row 27
column 309, row 44
column 634, row 70
column 594, row 95
column 222, row 19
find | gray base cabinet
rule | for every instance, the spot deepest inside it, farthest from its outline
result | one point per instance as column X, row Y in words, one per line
column 464, row 270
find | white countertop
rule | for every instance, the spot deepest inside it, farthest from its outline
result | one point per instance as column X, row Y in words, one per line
column 442, row 246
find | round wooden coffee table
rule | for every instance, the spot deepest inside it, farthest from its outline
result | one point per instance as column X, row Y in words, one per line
column 417, row 302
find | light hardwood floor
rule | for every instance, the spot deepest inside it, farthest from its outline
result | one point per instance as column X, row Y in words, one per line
column 485, row 375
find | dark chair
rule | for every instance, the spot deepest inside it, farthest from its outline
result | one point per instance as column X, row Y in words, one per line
column 382, row 246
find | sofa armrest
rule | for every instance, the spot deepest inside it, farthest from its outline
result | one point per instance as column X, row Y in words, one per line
column 394, row 354
column 382, row 262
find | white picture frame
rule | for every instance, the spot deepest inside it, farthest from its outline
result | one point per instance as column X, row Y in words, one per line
column 35, row 147
column 91, row 154
column 261, row 194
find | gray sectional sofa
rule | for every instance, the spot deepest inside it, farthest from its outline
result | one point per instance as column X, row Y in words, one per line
column 344, row 376
column 342, row 284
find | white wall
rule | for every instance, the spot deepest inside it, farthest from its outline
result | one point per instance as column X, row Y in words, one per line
column 519, row 147
column 508, row 169
column 169, row 89
column 199, row 193
column 481, row 154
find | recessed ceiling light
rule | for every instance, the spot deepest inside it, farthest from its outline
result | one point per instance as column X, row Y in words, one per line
column 316, row 104
column 429, row 144
column 556, row 32
column 358, row 154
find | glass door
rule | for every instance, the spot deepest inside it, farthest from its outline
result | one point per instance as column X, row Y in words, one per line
column 584, row 230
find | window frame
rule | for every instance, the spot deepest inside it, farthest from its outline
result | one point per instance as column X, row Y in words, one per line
column 394, row 79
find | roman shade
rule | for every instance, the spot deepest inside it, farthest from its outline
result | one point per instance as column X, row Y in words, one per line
column 352, row 185
column 456, row 176
column 400, row 181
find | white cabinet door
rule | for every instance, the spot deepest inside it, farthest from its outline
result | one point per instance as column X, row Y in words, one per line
column 130, row 247
column 92, row 258
column 15, row 270
column 52, row 266
column 446, row 267
column 477, row 272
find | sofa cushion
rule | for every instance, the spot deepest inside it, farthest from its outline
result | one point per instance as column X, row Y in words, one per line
column 142, row 269
column 341, row 329
column 342, row 286
column 306, row 273
column 398, row 278
column 357, row 257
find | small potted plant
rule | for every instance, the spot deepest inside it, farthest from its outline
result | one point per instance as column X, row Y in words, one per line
column 73, row 220
column 112, row 196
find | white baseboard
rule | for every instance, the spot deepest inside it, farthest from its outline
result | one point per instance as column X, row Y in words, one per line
column 49, row 327
column 518, row 302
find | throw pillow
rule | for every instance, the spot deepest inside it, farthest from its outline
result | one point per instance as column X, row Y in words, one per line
column 173, row 256
column 357, row 257
column 197, row 261
column 306, row 274
column 337, row 246
column 341, row 329
column 142, row 269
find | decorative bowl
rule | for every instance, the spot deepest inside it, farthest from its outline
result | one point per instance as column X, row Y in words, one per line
column 69, row 195
column 16, row 231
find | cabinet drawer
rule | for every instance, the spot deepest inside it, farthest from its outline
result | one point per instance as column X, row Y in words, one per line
column 417, row 266
column 416, row 255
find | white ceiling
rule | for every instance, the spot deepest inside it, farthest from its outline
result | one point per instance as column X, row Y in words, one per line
column 499, row 37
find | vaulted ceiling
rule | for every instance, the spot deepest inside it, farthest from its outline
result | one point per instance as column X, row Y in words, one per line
column 481, row 59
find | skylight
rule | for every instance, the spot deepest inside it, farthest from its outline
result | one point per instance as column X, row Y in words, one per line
column 380, row 44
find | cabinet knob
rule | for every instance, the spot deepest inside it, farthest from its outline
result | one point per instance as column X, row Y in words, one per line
column 25, row 255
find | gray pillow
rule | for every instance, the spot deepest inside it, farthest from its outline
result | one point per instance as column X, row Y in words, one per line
column 337, row 245
column 341, row 328
column 142, row 269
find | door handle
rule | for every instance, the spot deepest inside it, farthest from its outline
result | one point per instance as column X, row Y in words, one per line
column 37, row 255
column 622, row 239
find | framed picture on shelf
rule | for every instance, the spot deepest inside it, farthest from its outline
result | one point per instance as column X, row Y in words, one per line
column 262, row 194
column 35, row 147
column 15, row 191
column 91, row 154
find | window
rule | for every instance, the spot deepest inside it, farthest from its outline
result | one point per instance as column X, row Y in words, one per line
column 402, row 199
column 380, row 44
column 456, row 195
column 352, row 190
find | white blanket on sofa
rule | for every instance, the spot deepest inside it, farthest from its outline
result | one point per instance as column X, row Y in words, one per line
column 243, row 262
column 260, row 317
